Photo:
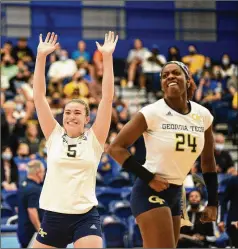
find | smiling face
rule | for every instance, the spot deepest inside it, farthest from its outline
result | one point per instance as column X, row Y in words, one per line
column 75, row 118
column 173, row 81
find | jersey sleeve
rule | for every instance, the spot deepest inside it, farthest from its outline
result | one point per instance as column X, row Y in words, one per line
column 33, row 200
column 58, row 130
column 208, row 118
column 149, row 115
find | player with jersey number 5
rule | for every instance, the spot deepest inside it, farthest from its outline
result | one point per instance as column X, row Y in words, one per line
column 176, row 131
column 68, row 195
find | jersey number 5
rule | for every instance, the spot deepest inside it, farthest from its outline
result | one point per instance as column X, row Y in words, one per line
column 187, row 140
column 72, row 150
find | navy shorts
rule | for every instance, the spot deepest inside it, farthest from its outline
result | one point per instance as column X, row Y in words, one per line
column 59, row 230
column 144, row 198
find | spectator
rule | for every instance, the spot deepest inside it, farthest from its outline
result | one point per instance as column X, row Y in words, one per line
column 223, row 158
column 29, row 213
column 97, row 62
column 230, row 195
column 8, row 68
column 22, row 158
column 194, row 60
column 19, row 112
column 198, row 235
column 227, row 68
column 22, row 51
column 42, row 152
column 56, row 103
column 174, row 54
column 151, row 68
column 208, row 64
column 135, row 59
column 9, row 171
column 77, row 88
column 208, row 90
column 32, row 138
column 81, row 55
column 7, row 48
column 64, row 68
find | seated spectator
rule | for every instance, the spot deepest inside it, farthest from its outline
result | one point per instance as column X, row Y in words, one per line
column 22, row 51
column 32, row 137
column 29, row 213
column 200, row 234
column 42, row 152
column 56, row 103
column 8, row 67
column 9, row 108
column 230, row 195
column 223, row 157
column 19, row 112
column 22, row 158
column 194, row 60
column 7, row 49
column 151, row 68
column 208, row 65
column 64, row 68
column 9, row 171
column 227, row 68
column 81, row 55
column 174, row 54
column 208, row 91
column 135, row 59
column 77, row 88
column 98, row 64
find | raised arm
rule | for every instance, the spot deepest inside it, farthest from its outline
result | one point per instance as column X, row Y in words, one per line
column 46, row 119
column 103, row 120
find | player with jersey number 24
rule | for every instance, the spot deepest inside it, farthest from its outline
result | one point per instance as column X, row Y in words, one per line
column 68, row 195
column 176, row 131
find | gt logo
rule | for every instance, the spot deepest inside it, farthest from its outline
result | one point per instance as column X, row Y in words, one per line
column 156, row 199
column 42, row 233
column 196, row 117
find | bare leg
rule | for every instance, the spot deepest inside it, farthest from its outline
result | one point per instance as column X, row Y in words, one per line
column 176, row 225
column 91, row 241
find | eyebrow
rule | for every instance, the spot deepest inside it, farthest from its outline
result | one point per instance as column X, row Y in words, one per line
column 176, row 69
column 76, row 110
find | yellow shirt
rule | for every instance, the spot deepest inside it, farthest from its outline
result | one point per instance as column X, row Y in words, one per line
column 73, row 88
column 194, row 62
column 235, row 101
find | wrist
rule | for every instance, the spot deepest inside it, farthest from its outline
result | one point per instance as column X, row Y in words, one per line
column 41, row 55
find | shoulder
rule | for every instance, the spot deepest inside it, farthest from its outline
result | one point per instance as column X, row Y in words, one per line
column 197, row 107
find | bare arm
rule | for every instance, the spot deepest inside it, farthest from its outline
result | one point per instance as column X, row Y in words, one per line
column 199, row 92
column 46, row 119
column 127, row 136
column 34, row 217
column 104, row 114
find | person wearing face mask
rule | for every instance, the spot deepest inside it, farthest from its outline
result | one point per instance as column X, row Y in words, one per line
column 194, row 60
column 8, row 68
column 42, row 152
column 29, row 213
column 199, row 234
column 9, row 171
column 63, row 68
column 227, row 68
column 223, row 157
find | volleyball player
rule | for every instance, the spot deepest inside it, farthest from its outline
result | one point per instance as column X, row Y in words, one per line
column 68, row 195
column 176, row 131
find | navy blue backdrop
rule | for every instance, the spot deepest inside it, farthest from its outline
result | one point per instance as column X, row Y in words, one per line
column 153, row 22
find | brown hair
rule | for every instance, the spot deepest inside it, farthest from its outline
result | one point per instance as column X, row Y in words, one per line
column 192, row 87
column 80, row 101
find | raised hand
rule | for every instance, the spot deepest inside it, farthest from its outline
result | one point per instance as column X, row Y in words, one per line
column 49, row 45
column 109, row 44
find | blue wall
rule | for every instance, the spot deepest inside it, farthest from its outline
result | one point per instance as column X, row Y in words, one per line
column 153, row 22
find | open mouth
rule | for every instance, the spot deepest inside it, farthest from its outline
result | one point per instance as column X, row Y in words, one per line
column 72, row 123
column 172, row 84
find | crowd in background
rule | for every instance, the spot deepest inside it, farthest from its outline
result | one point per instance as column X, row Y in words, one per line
column 79, row 75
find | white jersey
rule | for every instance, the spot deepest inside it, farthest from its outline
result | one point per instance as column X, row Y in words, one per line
column 70, row 181
column 174, row 141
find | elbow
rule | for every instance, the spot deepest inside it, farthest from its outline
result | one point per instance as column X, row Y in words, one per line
column 112, row 150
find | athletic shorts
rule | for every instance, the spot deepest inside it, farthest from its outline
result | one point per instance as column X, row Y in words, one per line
column 144, row 198
column 59, row 230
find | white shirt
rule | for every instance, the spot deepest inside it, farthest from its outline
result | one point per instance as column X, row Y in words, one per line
column 139, row 54
column 152, row 67
column 70, row 181
column 174, row 141
column 62, row 69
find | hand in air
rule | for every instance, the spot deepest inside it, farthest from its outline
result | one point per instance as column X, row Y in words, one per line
column 49, row 45
column 158, row 183
column 109, row 44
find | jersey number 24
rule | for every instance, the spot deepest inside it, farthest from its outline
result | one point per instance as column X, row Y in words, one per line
column 185, row 140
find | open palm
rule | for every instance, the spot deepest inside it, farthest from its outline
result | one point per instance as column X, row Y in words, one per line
column 109, row 44
column 49, row 45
